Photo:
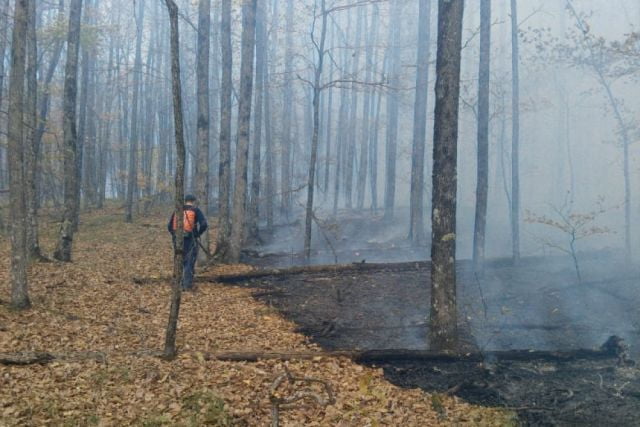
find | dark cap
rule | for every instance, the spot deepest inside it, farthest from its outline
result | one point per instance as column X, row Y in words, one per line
column 190, row 198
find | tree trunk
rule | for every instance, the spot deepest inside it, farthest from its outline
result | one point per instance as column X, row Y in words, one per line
column 202, row 72
column 244, row 125
column 515, row 137
column 268, row 132
column 132, row 178
column 482, row 185
column 261, row 50
column 46, row 86
column 224, row 171
column 4, row 27
column 443, row 331
column 353, row 114
column 30, row 144
column 285, row 162
column 416, row 222
column 65, row 240
column 373, row 167
column 85, row 73
column 170, row 350
column 16, row 133
column 316, row 127
column 392, row 111
column 365, row 138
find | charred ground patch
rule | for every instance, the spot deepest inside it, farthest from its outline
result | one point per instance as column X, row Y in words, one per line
column 537, row 306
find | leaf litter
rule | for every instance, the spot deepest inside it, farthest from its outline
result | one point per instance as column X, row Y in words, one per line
column 92, row 304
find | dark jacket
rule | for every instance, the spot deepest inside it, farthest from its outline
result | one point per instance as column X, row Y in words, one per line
column 201, row 222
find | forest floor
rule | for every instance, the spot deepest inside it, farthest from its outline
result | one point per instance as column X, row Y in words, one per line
column 93, row 304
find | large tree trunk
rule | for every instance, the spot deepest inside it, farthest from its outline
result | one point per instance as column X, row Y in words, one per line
column 261, row 51
column 392, row 111
column 285, row 151
column 65, row 240
column 85, row 73
column 17, row 131
column 515, row 137
column 46, row 86
column 416, row 221
column 365, row 138
column 224, row 171
column 244, row 125
column 170, row 350
column 4, row 27
column 353, row 114
column 270, row 160
column 202, row 72
column 443, row 330
column 31, row 143
column 482, row 185
column 132, row 178
column 316, row 128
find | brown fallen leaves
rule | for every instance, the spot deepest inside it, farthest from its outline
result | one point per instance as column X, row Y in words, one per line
column 92, row 304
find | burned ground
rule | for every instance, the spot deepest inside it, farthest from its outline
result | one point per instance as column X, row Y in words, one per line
column 539, row 305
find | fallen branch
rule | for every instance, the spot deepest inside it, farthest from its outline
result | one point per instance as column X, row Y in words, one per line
column 420, row 355
column 278, row 272
column 614, row 348
column 42, row 358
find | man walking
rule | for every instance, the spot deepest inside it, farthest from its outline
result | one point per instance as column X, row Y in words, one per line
column 194, row 225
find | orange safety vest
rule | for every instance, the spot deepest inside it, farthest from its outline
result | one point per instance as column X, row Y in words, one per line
column 188, row 221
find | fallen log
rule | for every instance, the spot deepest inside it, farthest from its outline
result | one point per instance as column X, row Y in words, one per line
column 292, row 271
column 396, row 355
column 328, row 268
column 41, row 358
column 610, row 350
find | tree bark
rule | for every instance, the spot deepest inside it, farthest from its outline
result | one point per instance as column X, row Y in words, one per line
column 65, row 240
column 270, row 160
column 16, row 151
column 482, row 184
column 4, row 26
column 365, row 137
column 261, row 51
column 416, row 202
column 515, row 136
column 443, row 331
column 31, row 143
column 353, row 114
column 316, row 128
column 132, row 178
column 170, row 350
column 224, row 171
column 392, row 111
column 244, row 125
column 285, row 151
column 202, row 72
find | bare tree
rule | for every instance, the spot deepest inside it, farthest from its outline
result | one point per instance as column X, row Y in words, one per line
column 515, row 136
column 416, row 227
column 31, row 148
column 224, row 171
column 443, row 317
column 393, row 105
column 261, row 70
column 132, row 179
column 482, row 185
column 244, row 125
column 170, row 350
column 16, row 131
column 65, row 240
column 202, row 71
column 320, row 52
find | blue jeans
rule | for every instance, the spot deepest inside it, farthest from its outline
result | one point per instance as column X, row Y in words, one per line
column 189, row 262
